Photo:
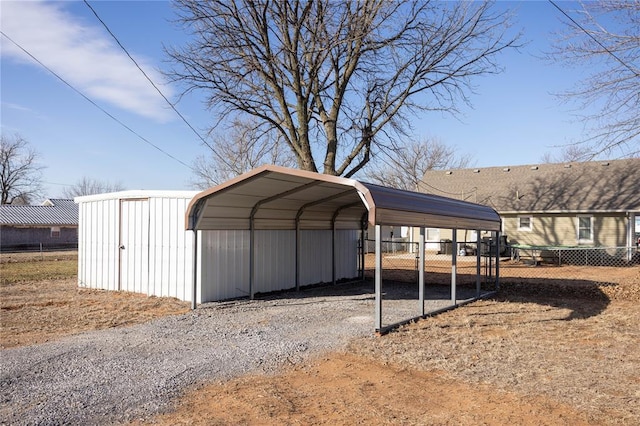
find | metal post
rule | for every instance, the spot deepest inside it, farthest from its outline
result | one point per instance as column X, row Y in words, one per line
column 194, row 287
column 421, row 271
column 378, row 280
column 478, row 241
column 362, row 242
column 251, row 258
column 298, row 249
column 454, row 262
column 497, row 260
column 333, row 252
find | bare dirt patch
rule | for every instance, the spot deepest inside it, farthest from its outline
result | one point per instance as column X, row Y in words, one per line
column 349, row 389
column 544, row 351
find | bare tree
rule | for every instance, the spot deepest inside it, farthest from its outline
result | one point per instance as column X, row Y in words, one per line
column 404, row 167
column 336, row 79
column 612, row 58
column 570, row 153
column 89, row 186
column 243, row 149
column 20, row 174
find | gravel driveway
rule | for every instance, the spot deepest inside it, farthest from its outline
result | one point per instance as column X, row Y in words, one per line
column 121, row 374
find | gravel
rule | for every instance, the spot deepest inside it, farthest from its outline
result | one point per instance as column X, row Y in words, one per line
column 123, row 374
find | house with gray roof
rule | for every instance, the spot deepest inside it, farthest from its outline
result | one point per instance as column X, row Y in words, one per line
column 51, row 225
column 591, row 204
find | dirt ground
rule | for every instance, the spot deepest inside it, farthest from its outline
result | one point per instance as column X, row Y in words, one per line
column 542, row 352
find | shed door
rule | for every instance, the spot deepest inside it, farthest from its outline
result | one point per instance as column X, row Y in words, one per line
column 134, row 245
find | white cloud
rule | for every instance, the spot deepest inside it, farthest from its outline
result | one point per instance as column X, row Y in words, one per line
column 85, row 56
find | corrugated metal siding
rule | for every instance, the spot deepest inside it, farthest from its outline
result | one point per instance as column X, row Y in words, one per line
column 158, row 255
column 171, row 249
column 224, row 265
column 225, row 261
column 134, row 241
column 346, row 254
column 98, row 245
column 275, row 260
column 315, row 256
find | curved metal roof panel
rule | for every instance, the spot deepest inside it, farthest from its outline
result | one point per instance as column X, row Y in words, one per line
column 273, row 197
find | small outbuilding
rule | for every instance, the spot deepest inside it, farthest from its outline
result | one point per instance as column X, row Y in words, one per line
column 271, row 229
column 52, row 225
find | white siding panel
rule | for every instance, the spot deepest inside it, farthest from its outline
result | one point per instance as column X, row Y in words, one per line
column 98, row 245
column 171, row 249
column 134, row 240
column 158, row 255
column 346, row 254
column 224, row 265
column 315, row 256
column 275, row 262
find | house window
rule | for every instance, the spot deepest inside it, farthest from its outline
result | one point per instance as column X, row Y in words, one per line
column 55, row 232
column 585, row 229
column 525, row 223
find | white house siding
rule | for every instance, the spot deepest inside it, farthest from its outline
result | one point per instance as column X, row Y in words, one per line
column 609, row 230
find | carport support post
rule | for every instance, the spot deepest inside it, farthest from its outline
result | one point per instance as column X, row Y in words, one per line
column 298, row 248
column 194, row 287
column 497, row 260
column 378, row 280
column 478, row 242
column 251, row 257
column 421, row 271
column 333, row 250
column 454, row 262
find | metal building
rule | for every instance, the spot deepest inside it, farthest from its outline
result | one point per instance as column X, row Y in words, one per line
column 292, row 202
column 136, row 241
column 270, row 229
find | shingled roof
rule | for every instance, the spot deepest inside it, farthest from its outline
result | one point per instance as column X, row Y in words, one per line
column 574, row 187
column 53, row 212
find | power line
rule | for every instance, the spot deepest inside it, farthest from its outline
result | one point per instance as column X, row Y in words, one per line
column 624, row 64
column 95, row 104
column 154, row 85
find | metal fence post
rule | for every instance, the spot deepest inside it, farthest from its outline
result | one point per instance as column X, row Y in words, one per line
column 421, row 271
column 454, row 262
column 378, row 279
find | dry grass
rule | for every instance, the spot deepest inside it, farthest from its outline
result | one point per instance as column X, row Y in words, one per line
column 40, row 301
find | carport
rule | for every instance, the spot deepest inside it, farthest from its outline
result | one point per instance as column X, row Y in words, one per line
column 280, row 199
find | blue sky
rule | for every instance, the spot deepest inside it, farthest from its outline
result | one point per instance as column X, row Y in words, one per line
column 515, row 117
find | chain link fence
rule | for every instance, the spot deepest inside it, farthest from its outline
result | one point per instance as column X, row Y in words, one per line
column 400, row 261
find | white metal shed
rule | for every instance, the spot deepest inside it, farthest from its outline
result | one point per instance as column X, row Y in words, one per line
column 135, row 241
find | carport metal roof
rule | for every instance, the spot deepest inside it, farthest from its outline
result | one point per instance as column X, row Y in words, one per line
column 273, row 197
